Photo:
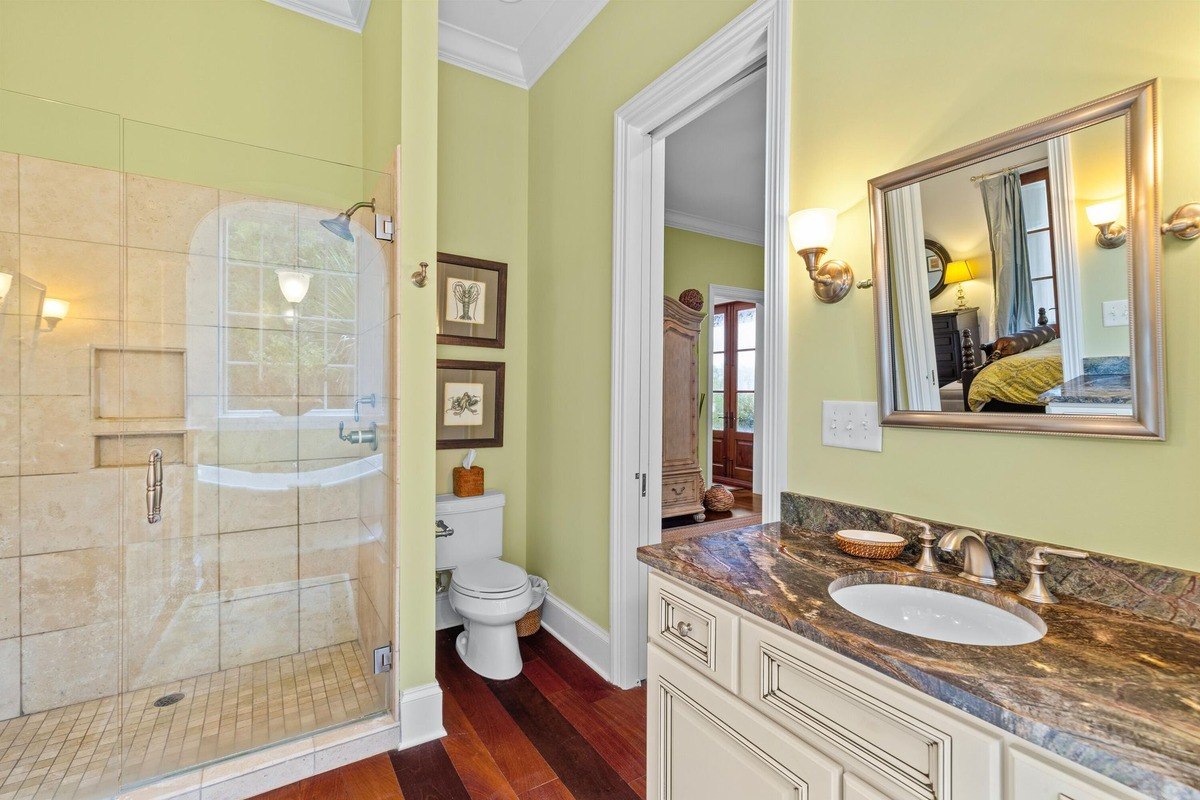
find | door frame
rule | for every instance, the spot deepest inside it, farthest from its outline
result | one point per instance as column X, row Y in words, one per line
column 718, row 294
column 761, row 31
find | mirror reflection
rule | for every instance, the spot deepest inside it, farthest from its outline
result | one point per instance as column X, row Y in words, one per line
column 1009, row 281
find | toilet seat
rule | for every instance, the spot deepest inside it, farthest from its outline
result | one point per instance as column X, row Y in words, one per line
column 490, row 579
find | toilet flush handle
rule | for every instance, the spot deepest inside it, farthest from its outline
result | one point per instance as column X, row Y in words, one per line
column 443, row 530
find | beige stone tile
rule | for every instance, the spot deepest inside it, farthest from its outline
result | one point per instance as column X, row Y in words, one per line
column 141, row 383
column 68, row 589
column 70, row 201
column 69, row 512
column 9, row 195
column 189, row 505
column 329, row 551
column 168, row 215
column 10, row 517
column 322, row 501
column 60, row 363
column 10, row 598
column 347, row 751
column 328, row 615
column 56, row 434
column 374, row 575
column 85, row 274
column 257, row 440
column 259, row 558
column 42, row 672
column 255, row 503
column 10, row 678
column 260, row 627
column 373, row 490
column 10, row 436
column 172, row 288
column 10, row 265
column 176, row 787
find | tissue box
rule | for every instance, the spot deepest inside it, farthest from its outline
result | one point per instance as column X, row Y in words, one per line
column 468, row 482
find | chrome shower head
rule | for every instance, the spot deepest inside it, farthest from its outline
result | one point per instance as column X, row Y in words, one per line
column 339, row 226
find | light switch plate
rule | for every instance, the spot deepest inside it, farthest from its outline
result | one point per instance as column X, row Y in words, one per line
column 852, row 424
column 1116, row 313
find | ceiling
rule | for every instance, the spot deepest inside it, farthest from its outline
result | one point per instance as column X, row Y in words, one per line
column 514, row 41
column 716, row 168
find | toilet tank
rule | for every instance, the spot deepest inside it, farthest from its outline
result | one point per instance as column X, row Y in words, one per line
column 478, row 525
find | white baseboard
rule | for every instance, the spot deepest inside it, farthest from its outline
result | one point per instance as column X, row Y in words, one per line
column 421, row 715
column 582, row 637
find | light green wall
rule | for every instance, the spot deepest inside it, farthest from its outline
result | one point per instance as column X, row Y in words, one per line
column 1124, row 498
column 416, row 347
column 241, row 70
column 693, row 261
column 850, row 125
column 483, row 206
column 570, row 277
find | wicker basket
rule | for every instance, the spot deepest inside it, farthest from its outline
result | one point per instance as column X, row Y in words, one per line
column 718, row 499
column 862, row 548
column 531, row 623
column 468, row 482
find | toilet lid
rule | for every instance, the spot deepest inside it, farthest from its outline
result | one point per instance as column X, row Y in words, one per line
column 490, row 576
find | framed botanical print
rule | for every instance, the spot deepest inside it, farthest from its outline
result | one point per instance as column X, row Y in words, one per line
column 472, row 294
column 470, row 404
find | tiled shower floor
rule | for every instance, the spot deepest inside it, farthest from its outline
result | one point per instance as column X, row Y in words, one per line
column 84, row 751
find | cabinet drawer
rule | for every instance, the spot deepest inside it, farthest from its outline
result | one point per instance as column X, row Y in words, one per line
column 682, row 491
column 903, row 745
column 694, row 629
column 855, row 788
column 705, row 744
column 1032, row 777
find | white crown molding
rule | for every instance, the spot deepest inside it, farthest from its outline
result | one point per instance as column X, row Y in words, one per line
column 555, row 32
column 469, row 50
column 712, row 227
column 520, row 66
column 348, row 14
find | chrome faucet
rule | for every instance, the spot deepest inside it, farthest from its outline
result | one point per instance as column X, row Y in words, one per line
column 977, row 561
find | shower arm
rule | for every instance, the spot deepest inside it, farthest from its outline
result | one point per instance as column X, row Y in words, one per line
column 349, row 212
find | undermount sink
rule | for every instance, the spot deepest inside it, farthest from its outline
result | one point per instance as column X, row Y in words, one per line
column 933, row 613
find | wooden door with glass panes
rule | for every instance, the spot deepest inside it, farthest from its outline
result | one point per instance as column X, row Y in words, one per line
column 734, row 343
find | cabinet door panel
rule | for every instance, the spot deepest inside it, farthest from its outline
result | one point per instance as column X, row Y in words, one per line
column 1033, row 777
column 858, row 789
column 704, row 744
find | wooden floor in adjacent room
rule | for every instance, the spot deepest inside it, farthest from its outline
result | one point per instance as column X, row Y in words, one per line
column 555, row 732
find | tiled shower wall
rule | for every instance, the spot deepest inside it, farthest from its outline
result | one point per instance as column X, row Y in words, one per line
column 265, row 549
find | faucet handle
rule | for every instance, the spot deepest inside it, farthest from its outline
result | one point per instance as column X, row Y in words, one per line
column 1036, row 591
column 928, row 560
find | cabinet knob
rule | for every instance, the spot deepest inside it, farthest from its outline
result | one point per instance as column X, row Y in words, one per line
column 683, row 628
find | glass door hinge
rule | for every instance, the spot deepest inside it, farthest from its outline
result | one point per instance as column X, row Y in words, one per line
column 383, row 658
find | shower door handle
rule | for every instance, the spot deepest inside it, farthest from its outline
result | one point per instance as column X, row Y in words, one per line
column 154, row 482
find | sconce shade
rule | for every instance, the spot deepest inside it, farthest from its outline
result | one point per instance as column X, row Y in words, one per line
column 55, row 309
column 1104, row 213
column 812, row 228
column 959, row 271
column 294, row 285
column 5, row 285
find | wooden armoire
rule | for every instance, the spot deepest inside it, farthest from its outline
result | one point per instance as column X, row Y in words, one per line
column 682, row 478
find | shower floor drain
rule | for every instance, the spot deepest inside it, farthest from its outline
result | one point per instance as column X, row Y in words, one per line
column 168, row 700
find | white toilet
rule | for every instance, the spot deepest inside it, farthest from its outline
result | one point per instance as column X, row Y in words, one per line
column 489, row 594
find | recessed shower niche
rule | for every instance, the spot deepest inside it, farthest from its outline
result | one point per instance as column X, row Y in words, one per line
column 139, row 383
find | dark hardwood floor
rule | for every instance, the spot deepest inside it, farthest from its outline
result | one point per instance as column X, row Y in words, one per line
column 557, row 731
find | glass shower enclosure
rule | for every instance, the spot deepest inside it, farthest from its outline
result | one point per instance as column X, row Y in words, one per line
column 195, row 523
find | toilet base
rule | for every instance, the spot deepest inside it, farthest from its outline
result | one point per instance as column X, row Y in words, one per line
column 490, row 650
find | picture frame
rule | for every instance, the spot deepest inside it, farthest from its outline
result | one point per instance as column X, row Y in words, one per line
column 472, row 300
column 470, row 397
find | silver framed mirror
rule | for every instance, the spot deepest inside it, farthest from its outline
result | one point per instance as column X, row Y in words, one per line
column 1056, row 324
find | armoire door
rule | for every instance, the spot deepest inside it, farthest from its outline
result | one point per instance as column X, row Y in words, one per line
column 734, row 357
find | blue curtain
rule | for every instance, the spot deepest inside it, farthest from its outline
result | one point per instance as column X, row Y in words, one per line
column 1010, row 256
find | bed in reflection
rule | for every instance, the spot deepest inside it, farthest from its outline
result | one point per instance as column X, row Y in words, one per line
column 1018, row 370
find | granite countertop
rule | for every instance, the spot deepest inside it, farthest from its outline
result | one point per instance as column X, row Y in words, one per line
column 1116, row 692
column 1096, row 389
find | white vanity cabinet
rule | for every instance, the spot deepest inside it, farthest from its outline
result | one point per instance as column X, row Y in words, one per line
column 740, row 708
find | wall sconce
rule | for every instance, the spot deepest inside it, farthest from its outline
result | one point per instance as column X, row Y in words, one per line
column 812, row 233
column 1110, row 234
column 54, row 311
column 5, row 285
column 958, row 272
column 1185, row 222
column 294, row 285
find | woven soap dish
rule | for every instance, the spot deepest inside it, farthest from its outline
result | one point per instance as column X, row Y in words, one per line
column 870, row 544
